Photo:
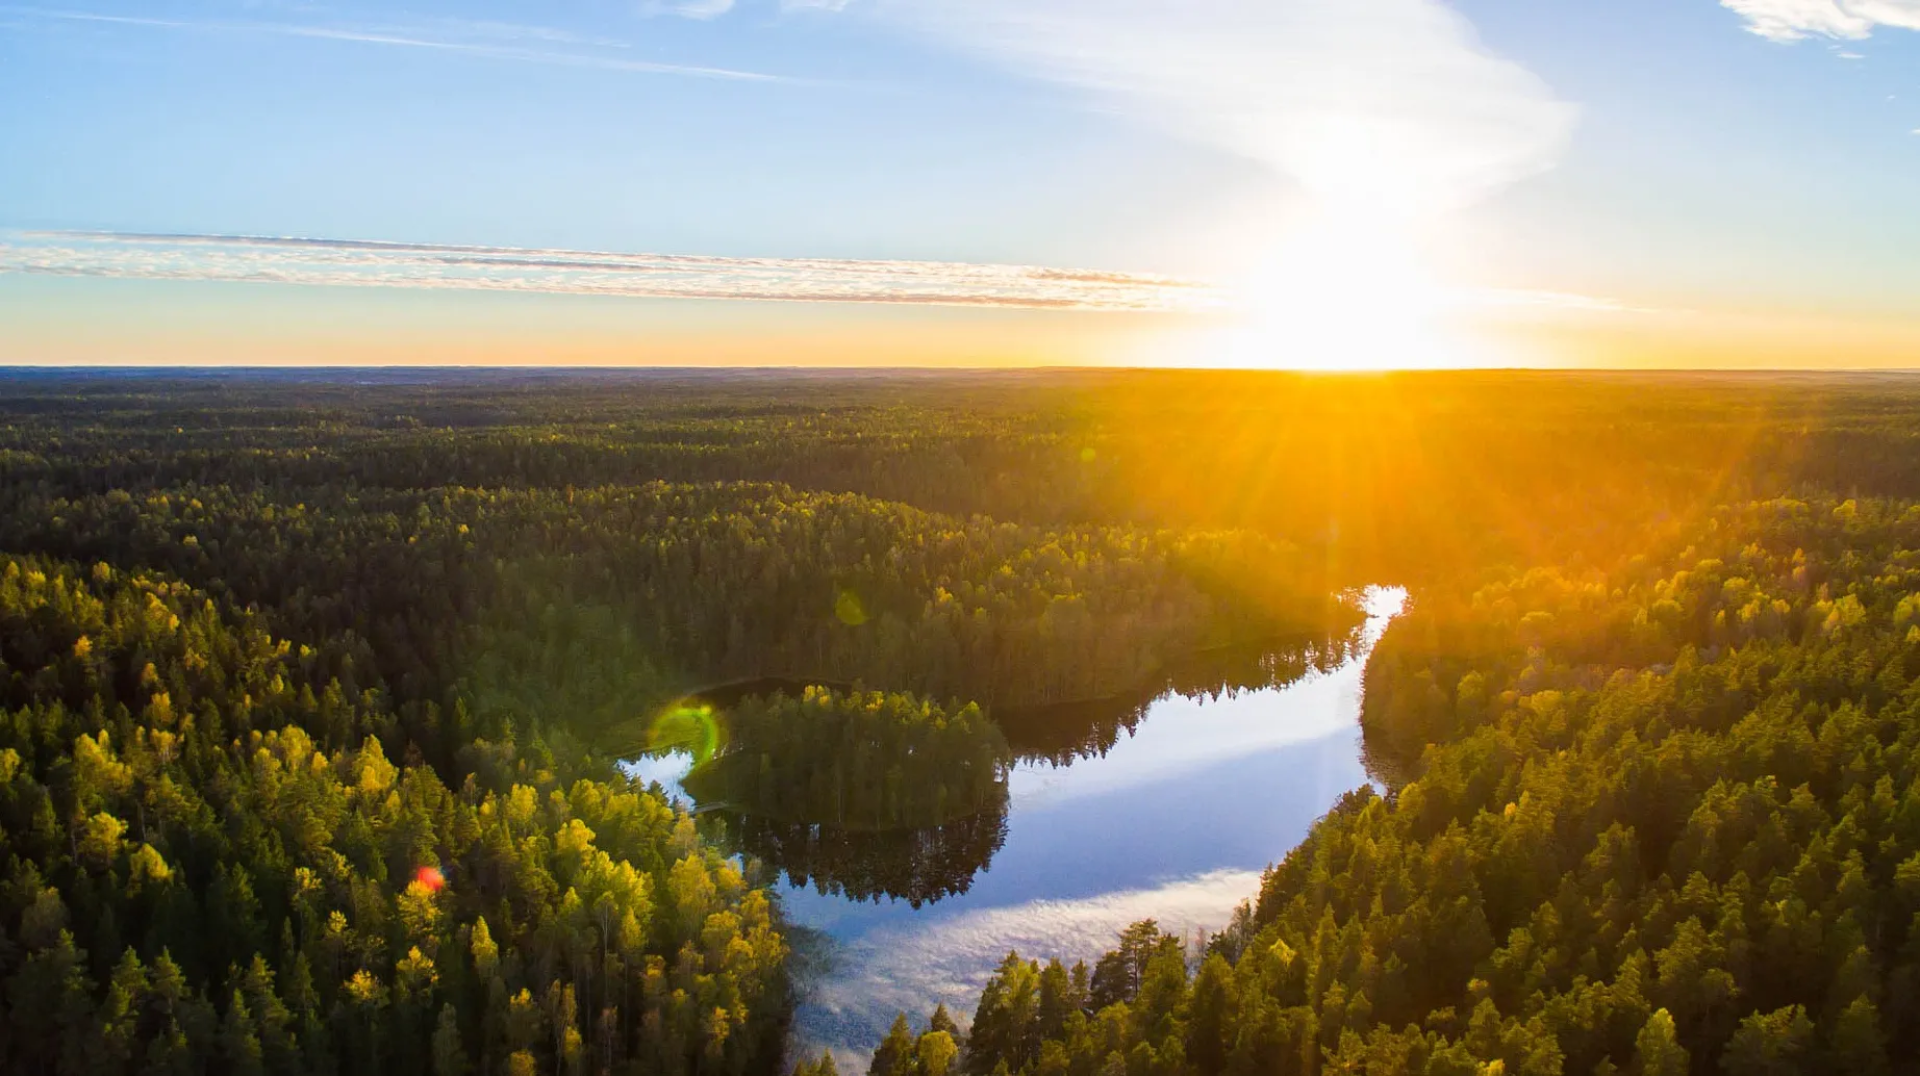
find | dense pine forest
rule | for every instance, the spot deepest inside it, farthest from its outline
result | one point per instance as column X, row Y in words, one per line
column 312, row 690
column 1659, row 816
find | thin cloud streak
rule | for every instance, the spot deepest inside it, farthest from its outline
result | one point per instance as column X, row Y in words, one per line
column 349, row 263
column 428, row 266
column 401, row 37
column 89, row 16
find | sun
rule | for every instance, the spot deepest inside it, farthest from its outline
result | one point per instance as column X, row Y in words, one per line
column 1344, row 290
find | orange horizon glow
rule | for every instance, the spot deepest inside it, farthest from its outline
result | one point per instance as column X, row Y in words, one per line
column 137, row 323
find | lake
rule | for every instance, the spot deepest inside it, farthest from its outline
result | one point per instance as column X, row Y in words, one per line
column 1168, row 808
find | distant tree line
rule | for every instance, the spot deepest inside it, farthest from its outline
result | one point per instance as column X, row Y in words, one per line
column 1408, row 478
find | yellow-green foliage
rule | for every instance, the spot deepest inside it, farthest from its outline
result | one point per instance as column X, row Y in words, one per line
column 264, row 866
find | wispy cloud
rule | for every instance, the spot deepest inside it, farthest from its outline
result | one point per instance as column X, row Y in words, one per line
column 666, row 276
column 1850, row 20
column 488, row 40
column 690, row 9
column 1392, row 103
column 379, row 264
column 90, row 16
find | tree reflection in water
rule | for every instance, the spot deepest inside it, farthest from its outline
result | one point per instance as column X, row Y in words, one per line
column 934, row 858
column 919, row 866
column 1065, row 733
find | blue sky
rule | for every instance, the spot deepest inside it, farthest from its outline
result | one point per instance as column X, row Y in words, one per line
column 1645, row 154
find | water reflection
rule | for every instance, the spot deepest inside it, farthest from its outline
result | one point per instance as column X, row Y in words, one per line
column 859, row 761
column 883, row 965
column 1068, row 732
column 1168, row 807
column 816, row 848
column 918, row 866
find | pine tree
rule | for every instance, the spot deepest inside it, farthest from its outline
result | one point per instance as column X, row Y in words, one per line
column 239, row 1041
column 1212, row 1017
column 895, row 1054
column 449, row 1053
column 1859, row 1047
column 1657, row 1051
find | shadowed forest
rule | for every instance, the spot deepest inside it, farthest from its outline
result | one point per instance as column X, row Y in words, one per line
column 314, row 690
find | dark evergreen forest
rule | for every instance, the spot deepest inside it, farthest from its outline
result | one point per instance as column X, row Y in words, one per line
column 312, row 689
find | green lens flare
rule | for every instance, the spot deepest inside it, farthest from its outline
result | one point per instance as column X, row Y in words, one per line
column 691, row 726
column 850, row 609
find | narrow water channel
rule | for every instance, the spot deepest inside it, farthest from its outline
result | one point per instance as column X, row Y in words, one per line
column 1175, row 821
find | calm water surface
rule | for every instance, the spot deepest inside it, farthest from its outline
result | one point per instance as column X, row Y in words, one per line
column 1175, row 822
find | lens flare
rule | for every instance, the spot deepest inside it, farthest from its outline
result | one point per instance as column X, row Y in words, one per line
column 849, row 609
column 431, row 878
column 688, row 725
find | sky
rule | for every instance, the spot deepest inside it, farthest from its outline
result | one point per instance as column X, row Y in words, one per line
column 1293, row 183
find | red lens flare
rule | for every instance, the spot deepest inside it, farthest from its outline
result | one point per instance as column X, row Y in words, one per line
column 431, row 878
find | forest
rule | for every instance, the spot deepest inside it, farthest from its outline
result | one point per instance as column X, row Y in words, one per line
column 1655, row 817
column 312, row 690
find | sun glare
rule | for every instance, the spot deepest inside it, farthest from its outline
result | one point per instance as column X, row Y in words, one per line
column 1343, row 291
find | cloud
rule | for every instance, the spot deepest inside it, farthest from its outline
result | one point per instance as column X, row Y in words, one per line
column 378, row 264
column 1851, row 20
column 488, row 40
column 1393, row 104
column 89, row 16
column 690, row 9
column 349, row 263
